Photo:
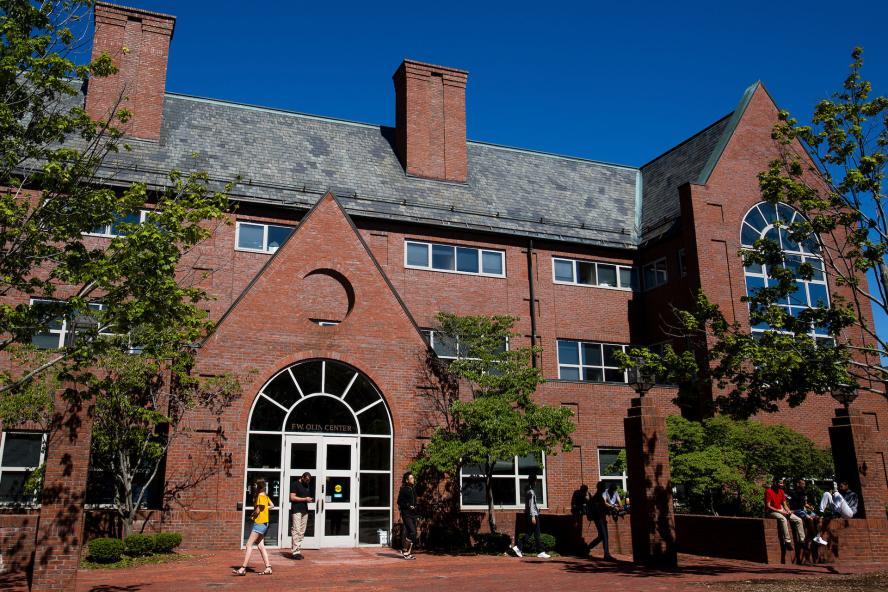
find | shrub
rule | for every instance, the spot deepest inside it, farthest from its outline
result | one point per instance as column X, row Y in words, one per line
column 492, row 542
column 106, row 550
column 546, row 540
column 139, row 545
column 165, row 542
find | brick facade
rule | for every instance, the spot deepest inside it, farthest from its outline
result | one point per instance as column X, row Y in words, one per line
column 351, row 268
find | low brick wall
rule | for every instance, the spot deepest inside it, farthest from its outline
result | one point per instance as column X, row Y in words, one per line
column 17, row 535
column 200, row 529
column 757, row 539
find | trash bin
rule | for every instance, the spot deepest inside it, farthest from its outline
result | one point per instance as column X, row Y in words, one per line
column 383, row 536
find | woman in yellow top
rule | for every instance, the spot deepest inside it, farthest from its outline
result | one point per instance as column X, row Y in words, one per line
column 261, row 505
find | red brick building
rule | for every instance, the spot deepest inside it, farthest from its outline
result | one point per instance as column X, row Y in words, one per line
column 350, row 237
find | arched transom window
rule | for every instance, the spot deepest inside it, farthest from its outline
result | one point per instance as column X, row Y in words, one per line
column 761, row 221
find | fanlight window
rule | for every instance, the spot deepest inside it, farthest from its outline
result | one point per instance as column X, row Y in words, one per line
column 761, row 222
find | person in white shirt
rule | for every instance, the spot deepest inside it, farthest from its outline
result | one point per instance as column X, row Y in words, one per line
column 532, row 519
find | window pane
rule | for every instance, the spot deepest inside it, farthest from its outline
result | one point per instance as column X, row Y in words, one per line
column 610, row 358
column 626, row 277
column 282, row 389
column 492, row 262
column 445, row 345
column 369, row 521
column 538, row 489
column 375, row 420
column 614, row 376
column 650, row 277
column 591, row 354
column 46, row 340
column 585, row 273
column 607, row 275
column 467, row 260
column 250, row 236
column 264, row 452
column 375, row 455
column 417, row 254
column 568, row 352
column 529, row 464
column 271, row 534
column 818, row 295
column 473, row 492
column 12, row 490
column 754, row 284
column 276, row 237
column 749, row 235
column 504, row 491
column 564, row 270
column 267, row 416
column 133, row 218
column 593, row 375
column 22, row 450
column 817, row 264
column 442, row 257
column 605, row 459
column 504, row 467
column 568, row 373
column 361, row 393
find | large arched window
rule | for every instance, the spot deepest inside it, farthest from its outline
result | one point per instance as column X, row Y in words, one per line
column 760, row 222
column 321, row 399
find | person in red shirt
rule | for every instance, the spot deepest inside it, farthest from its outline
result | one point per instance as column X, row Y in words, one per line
column 777, row 507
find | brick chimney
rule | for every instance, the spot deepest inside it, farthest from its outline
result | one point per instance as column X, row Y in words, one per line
column 139, row 43
column 430, row 121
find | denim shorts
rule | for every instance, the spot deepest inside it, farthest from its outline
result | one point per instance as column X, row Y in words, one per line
column 260, row 528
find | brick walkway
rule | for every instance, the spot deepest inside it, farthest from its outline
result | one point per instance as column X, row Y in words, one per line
column 382, row 569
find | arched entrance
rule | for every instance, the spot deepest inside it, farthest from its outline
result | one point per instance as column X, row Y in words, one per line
column 327, row 418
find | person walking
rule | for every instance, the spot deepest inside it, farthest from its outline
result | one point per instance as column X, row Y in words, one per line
column 532, row 520
column 300, row 497
column 597, row 512
column 407, row 507
column 261, row 505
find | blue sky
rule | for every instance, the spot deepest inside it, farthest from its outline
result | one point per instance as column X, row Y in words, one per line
column 616, row 81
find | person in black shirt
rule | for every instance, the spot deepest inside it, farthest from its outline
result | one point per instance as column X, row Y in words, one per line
column 407, row 507
column 300, row 497
column 597, row 512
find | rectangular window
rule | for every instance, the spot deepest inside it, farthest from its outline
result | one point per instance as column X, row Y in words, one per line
column 606, row 472
column 589, row 362
column 260, row 238
column 510, row 479
column 655, row 274
column 453, row 259
column 447, row 347
column 20, row 454
column 682, row 265
column 115, row 229
column 60, row 329
column 590, row 273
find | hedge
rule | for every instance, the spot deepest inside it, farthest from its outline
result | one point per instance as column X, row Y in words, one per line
column 547, row 540
column 497, row 542
column 165, row 542
column 106, row 550
column 139, row 545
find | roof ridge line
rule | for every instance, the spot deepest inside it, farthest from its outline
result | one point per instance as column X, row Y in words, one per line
column 551, row 154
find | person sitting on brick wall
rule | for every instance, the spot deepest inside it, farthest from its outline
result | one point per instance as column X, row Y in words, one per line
column 613, row 501
column 801, row 502
column 777, row 507
column 841, row 503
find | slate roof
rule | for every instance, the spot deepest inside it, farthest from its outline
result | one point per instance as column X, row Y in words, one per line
column 663, row 176
column 291, row 159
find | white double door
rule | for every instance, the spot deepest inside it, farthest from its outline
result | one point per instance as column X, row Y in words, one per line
column 332, row 463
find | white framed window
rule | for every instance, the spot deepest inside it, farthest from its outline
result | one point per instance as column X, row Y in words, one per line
column 114, row 229
column 606, row 458
column 576, row 272
column 260, row 238
column 682, row 263
column 59, row 329
column 447, row 347
column 510, row 479
column 20, row 454
column 323, row 323
column 759, row 222
column 655, row 274
column 454, row 259
column 589, row 361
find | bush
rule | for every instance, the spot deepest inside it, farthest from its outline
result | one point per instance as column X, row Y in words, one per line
column 139, row 545
column 165, row 542
column 106, row 550
column 492, row 542
column 547, row 540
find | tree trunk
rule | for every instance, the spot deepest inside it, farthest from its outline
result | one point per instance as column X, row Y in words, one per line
column 488, row 481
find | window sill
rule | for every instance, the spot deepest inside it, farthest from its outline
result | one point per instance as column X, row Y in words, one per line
column 576, row 285
column 570, row 381
column 260, row 251
column 453, row 271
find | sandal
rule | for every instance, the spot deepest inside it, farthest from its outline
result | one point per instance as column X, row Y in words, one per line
column 241, row 571
column 267, row 571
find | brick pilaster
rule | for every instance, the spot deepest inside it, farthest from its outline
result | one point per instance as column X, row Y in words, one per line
column 859, row 458
column 650, row 485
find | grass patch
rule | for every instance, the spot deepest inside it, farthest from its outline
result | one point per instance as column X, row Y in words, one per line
column 124, row 562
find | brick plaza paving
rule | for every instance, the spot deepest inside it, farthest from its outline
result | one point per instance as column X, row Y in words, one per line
column 383, row 569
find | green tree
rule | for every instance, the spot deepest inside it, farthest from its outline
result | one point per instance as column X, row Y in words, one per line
column 498, row 420
column 832, row 171
column 119, row 295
